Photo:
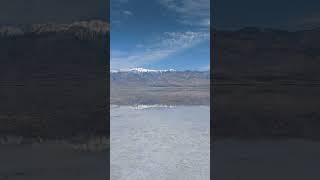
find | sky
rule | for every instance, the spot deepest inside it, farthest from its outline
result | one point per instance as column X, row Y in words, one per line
column 160, row 34
column 278, row 14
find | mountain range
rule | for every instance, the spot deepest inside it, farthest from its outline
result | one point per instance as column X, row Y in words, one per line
column 171, row 87
column 160, row 78
column 266, row 83
column 266, row 55
column 80, row 29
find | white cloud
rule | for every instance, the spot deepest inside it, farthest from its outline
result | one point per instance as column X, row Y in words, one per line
column 128, row 13
column 170, row 44
column 191, row 12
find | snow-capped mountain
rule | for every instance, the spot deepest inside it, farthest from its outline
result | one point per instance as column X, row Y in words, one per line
column 150, row 70
column 159, row 87
column 153, row 106
column 163, row 78
column 142, row 70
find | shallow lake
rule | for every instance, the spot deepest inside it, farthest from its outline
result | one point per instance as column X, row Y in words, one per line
column 160, row 142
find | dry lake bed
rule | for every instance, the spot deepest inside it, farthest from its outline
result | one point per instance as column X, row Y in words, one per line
column 160, row 142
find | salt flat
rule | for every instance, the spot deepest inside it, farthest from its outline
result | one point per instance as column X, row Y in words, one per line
column 160, row 142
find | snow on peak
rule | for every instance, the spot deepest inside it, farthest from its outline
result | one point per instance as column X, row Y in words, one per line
column 142, row 70
column 150, row 70
column 114, row 70
column 144, row 106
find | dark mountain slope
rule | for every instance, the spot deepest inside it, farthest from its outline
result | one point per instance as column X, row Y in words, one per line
column 53, row 80
column 266, row 83
column 267, row 55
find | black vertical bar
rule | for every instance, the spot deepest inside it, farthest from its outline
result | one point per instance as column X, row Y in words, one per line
column 107, row 68
column 212, row 120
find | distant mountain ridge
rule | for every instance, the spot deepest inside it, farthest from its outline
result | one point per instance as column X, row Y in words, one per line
column 166, row 87
column 160, row 78
column 141, row 70
column 263, row 53
column 81, row 29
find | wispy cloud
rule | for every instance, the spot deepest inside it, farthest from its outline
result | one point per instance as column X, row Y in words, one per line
column 128, row 13
column 191, row 12
column 170, row 44
column 119, row 12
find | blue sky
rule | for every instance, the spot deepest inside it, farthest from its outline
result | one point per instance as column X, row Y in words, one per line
column 160, row 34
